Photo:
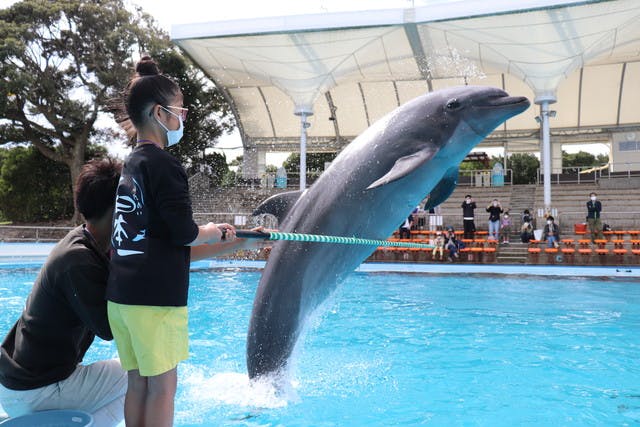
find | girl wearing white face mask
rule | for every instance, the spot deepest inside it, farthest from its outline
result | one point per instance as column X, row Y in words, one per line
column 594, row 207
column 153, row 238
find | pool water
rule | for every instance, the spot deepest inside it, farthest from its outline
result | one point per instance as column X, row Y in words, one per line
column 408, row 350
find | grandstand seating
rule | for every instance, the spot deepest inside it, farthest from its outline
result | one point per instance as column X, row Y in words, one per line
column 621, row 210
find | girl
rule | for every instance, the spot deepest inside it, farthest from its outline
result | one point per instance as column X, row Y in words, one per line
column 505, row 227
column 153, row 239
column 438, row 244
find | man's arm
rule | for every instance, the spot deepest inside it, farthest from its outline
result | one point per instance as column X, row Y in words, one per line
column 205, row 251
column 85, row 287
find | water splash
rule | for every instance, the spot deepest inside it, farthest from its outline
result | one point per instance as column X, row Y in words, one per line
column 453, row 63
column 205, row 392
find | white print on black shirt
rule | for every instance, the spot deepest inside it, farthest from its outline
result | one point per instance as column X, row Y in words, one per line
column 129, row 205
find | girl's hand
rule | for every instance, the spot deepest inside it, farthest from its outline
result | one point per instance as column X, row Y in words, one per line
column 227, row 233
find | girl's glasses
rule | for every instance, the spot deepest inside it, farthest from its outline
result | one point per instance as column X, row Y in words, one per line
column 183, row 111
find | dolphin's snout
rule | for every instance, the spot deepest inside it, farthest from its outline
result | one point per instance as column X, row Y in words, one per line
column 505, row 101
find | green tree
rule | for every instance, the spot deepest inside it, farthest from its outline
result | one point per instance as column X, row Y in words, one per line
column 579, row 159
column 315, row 161
column 34, row 188
column 61, row 62
column 524, row 167
column 602, row 159
column 64, row 63
column 209, row 114
column 214, row 165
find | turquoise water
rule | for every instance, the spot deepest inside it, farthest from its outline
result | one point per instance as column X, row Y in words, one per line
column 402, row 349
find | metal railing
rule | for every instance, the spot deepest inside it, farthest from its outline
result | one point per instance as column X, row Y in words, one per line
column 425, row 221
column 484, row 178
column 28, row 233
column 591, row 174
column 472, row 178
column 617, row 220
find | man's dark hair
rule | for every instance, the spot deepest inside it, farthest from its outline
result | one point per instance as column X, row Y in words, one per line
column 96, row 187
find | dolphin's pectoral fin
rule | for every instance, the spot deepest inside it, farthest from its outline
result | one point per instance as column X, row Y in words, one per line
column 404, row 166
column 278, row 205
column 443, row 189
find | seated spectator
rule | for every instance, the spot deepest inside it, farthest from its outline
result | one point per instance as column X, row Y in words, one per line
column 438, row 244
column 551, row 233
column 405, row 228
column 526, row 232
column 452, row 244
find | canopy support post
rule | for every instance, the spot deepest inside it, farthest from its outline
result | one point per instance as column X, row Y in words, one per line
column 304, row 125
column 543, row 119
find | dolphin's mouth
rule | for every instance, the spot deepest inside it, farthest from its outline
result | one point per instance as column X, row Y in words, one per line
column 504, row 101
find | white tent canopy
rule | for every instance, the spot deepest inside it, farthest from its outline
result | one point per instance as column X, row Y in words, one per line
column 348, row 69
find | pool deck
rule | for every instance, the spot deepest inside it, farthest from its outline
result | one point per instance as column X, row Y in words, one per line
column 35, row 253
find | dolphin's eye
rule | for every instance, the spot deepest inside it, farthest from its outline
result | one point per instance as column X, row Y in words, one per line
column 453, row 104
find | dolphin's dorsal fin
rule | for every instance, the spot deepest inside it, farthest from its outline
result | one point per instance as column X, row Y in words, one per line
column 443, row 189
column 279, row 204
column 404, row 166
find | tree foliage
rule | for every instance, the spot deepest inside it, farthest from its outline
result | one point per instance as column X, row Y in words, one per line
column 525, row 168
column 63, row 63
column 583, row 159
column 60, row 63
column 213, row 165
column 209, row 114
column 34, row 188
column 315, row 161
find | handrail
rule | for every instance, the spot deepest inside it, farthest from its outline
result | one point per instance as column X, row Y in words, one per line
column 576, row 174
column 39, row 230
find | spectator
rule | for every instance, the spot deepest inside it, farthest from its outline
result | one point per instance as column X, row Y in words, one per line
column 468, row 207
column 505, row 227
column 594, row 207
column 551, row 233
column 526, row 231
column 438, row 246
column 405, row 228
column 494, row 210
column 452, row 244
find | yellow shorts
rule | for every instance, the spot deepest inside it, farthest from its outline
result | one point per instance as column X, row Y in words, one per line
column 150, row 339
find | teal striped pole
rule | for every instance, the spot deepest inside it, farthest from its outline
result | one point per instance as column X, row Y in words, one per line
column 316, row 238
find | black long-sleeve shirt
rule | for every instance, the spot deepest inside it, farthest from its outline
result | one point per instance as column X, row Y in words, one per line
column 494, row 213
column 153, row 222
column 467, row 209
column 64, row 312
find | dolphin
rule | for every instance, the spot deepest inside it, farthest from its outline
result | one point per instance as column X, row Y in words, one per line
column 367, row 191
column 443, row 189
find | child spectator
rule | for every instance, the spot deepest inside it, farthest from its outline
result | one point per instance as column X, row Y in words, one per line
column 438, row 246
column 505, row 227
